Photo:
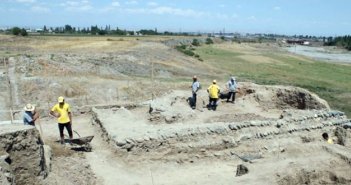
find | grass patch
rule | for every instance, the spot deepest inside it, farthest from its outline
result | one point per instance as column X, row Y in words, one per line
column 329, row 80
column 188, row 51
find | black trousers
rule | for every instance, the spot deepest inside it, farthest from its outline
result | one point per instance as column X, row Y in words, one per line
column 213, row 103
column 193, row 103
column 231, row 94
column 68, row 127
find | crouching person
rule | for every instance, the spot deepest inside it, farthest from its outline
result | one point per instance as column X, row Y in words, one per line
column 30, row 115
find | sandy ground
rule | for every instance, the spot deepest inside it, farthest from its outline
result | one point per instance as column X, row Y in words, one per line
column 283, row 157
column 109, row 167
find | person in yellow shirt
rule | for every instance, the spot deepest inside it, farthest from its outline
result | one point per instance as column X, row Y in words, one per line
column 62, row 112
column 213, row 92
column 327, row 138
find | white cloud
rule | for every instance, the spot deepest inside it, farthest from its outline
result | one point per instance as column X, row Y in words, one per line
column 166, row 10
column 137, row 10
column 26, row 1
column 176, row 11
column 132, row 2
column 83, row 5
column 221, row 16
column 277, row 8
column 234, row 16
column 115, row 4
column 79, row 8
column 40, row 9
column 152, row 4
column 251, row 18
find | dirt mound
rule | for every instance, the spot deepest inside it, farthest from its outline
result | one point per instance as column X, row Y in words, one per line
column 170, row 108
column 282, row 97
column 303, row 176
column 70, row 170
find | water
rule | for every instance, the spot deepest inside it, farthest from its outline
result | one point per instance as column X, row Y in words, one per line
column 321, row 53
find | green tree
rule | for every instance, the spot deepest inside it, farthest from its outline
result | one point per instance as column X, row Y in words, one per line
column 23, row 32
column 68, row 28
column 195, row 42
column 209, row 41
column 16, row 30
column 94, row 30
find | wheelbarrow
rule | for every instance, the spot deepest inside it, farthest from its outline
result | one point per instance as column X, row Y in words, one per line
column 81, row 143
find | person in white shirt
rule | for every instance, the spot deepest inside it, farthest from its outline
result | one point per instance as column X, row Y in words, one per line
column 194, row 87
column 232, row 86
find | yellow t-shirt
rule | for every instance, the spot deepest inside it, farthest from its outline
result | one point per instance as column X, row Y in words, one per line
column 330, row 141
column 64, row 118
column 213, row 90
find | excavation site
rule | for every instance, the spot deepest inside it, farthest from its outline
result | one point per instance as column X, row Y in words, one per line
column 134, row 123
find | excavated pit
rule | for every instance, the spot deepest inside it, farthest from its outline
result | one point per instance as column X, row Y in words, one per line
column 168, row 129
column 269, row 127
column 22, row 154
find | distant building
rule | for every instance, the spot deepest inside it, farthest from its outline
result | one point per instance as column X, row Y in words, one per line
column 299, row 42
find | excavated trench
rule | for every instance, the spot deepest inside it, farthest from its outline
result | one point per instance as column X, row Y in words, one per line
column 272, row 127
column 133, row 131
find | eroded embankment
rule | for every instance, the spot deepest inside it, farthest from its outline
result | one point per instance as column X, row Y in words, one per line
column 22, row 152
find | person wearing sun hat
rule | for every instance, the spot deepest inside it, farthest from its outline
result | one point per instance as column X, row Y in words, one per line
column 62, row 112
column 30, row 115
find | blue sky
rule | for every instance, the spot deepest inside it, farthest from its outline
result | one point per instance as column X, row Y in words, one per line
column 307, row 17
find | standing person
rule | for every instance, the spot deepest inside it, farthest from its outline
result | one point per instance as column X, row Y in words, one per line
column 30, row 115
column 232, row 86
column 62, row 112
column 213, row 92
column 194, row 87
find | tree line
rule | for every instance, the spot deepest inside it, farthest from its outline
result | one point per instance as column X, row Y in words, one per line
column 344, row 42
column 91, row 30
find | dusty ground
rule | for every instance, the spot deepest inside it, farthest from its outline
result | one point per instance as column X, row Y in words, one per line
column 285, row 158
column 145, row 132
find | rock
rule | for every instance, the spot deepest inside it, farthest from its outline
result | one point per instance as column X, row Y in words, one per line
column 232, row 127
column 121, row 143
column 70, row 92
column 217, row 154
column 241, row 170
column 341, row 134
column 47, row 156
column 347, row 125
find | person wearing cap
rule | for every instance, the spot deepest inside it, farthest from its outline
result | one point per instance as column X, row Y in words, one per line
column 213, row 92
column 30, row 115
column 62, row 112
column 232, row 86
column 194, row 87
